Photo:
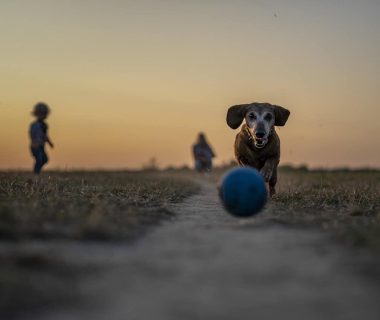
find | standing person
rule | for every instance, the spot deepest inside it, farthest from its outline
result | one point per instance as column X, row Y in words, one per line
column 203, row 154
column 39, row 136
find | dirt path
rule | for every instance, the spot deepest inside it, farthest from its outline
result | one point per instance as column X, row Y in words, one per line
column 208, row 265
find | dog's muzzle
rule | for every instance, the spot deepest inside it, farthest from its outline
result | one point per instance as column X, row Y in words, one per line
column 260, row 142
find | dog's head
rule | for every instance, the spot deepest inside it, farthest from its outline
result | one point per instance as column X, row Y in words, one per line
column 260, row 119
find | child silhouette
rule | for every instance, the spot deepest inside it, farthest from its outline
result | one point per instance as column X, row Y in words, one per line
column 39, row 136
column 203, row 154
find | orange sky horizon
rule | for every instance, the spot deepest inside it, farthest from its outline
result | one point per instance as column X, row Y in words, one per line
column 127, row 81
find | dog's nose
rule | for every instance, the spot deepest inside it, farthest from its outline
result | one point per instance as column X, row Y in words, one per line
column 259, row 134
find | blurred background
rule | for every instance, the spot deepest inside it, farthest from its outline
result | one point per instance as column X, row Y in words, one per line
column 128, row 81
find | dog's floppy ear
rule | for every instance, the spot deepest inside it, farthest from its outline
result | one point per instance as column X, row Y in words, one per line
column 281, row 115
column 235, row 115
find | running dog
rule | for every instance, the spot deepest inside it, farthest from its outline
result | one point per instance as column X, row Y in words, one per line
column 257, row 144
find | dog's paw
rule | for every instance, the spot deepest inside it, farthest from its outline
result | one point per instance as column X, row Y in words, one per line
column 266, row 173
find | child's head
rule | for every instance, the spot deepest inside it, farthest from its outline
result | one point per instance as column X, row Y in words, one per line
column 201, row 137
column 41, row 110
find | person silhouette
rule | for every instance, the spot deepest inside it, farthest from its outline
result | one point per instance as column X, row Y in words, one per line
column 203, row 154
column 39, row 136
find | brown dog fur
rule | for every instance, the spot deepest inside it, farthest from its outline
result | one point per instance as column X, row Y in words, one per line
column 263, row 158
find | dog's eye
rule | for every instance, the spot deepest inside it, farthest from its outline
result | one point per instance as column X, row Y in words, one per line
column 252, row 116
column 268, row 117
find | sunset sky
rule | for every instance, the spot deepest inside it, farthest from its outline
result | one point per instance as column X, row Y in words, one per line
column 131, row 80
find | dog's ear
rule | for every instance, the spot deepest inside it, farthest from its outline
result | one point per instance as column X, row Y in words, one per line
column 235, row 115
column 281, row 115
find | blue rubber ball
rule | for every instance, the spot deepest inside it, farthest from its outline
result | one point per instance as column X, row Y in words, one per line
column 243, row 192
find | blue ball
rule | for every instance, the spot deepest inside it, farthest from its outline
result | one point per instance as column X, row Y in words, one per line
column 243, row 191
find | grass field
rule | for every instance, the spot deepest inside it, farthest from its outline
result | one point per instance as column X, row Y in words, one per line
column 346, row 203
column 67, row 207
column 117, row 207
column 120, row 205
column 85, row 205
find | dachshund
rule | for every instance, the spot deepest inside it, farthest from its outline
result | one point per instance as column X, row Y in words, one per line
column 257, row 144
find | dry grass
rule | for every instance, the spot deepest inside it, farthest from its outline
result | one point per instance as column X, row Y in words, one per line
column 345, row 203
column 76, row 206
column 86, row 205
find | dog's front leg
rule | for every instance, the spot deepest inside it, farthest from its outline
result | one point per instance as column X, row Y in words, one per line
column 269, row 168
column 272, row 183
column 242, row 161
